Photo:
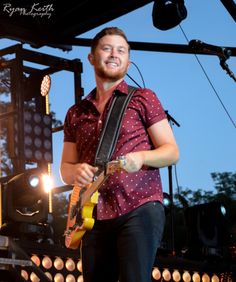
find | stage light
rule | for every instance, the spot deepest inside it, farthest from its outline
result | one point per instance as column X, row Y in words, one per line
column 35, row 259
column 205, row 278
column 156, row 274
column 166, row 200
column 49, row 275
column 34, row 277
column 167, row 14
column 79, row 265
column 186, row 276
column 176, row 276
column 215, row 278
column 34, row 180
column 26, row 200
column 70, row 265
column 70, row 278
column 45, row 85
column 47, row 183
column 80, row 279
column 58, row 263
column 59, row 277
column 36, row 84
column 207, row 230
column 54, row 267
column 25, row 274
column 47, row 262
column 37, row 137
column 166, row 275
column 196, row 277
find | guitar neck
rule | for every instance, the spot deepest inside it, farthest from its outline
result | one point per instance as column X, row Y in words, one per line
column 92, row 188
column 111, row 167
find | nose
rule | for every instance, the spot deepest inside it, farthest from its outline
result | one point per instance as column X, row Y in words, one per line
column 113, row 53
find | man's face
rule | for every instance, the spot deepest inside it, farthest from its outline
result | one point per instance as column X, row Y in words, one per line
column 111, row 57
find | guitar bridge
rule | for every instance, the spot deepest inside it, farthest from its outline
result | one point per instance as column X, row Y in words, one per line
column 67, row 232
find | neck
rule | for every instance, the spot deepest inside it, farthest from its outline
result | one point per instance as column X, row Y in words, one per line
column 105, row 87
column 102, row 97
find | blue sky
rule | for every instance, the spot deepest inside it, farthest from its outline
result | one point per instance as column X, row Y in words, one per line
column 206, row 136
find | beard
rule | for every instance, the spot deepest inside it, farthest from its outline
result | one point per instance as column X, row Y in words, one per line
column 112, row 76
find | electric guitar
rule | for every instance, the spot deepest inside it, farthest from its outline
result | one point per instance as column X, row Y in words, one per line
column 81, row 205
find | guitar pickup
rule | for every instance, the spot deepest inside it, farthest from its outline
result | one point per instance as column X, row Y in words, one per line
column 73, row 212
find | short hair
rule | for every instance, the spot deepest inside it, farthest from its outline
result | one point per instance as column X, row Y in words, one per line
column 107, row 31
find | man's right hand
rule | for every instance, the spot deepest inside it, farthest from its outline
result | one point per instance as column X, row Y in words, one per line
column 84, row 174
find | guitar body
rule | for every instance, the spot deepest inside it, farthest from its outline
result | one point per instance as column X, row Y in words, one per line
column 86, row 222
column 82, row 203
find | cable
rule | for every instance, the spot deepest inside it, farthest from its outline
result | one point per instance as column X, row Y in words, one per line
column 139, row 74
column 217, row 95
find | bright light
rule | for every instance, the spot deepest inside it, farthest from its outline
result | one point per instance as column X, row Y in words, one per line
column 156, row 274
column 223, row 210
column 47, row 262
column 205, row 278
column 186, row 276
column 47, row 183
column 166, row 275
column 33, row 180
column 176, row 276
column 166, row 200
column 196, row 277
column 58, row 263
column 45, row 85
column 79, row 265
column 70, row 264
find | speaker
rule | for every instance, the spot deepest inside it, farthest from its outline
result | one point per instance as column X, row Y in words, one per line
column 167, row 14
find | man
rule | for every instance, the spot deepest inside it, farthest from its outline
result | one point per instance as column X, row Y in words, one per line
column 129, row 214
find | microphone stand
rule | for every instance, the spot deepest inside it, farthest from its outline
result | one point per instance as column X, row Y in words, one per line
column 172, row 237
column 226, row 68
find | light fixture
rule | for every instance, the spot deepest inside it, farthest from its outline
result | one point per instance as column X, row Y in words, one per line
column 37, row 137
column 166, row 200
column 207, row 231
column 167, row 14
column 25, row 198
column 166, row 273
column 45, row 85
column 36, row 84
column 54, row 267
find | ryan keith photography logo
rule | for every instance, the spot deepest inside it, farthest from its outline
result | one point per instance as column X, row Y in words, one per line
column 35, row 10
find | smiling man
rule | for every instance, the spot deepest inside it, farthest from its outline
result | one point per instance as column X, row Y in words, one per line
column 129, row 215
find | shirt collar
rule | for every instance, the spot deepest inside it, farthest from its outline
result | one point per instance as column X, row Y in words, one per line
column 122, row 87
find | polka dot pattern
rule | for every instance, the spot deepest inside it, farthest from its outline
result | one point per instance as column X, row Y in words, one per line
column 123, row 191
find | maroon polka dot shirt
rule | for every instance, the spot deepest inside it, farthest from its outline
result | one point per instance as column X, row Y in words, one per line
column 122, row 192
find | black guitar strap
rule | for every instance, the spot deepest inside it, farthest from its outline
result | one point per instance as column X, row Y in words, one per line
column 111, row 128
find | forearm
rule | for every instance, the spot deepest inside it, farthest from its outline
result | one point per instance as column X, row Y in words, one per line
column 67, row 173
column 165, row 155
column 80, row 174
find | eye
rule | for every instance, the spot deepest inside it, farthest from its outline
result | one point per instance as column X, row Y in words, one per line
column 122, row 51
column 106, row 48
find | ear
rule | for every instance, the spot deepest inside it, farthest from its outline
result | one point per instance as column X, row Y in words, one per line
column 129, row 63
column 91, row 58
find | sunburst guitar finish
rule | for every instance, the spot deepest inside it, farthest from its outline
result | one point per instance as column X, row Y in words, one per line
column 82, row 203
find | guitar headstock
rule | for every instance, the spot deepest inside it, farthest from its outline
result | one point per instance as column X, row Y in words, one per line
column 115, row 165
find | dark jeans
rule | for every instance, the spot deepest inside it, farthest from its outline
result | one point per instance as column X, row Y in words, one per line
column 124, row 249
